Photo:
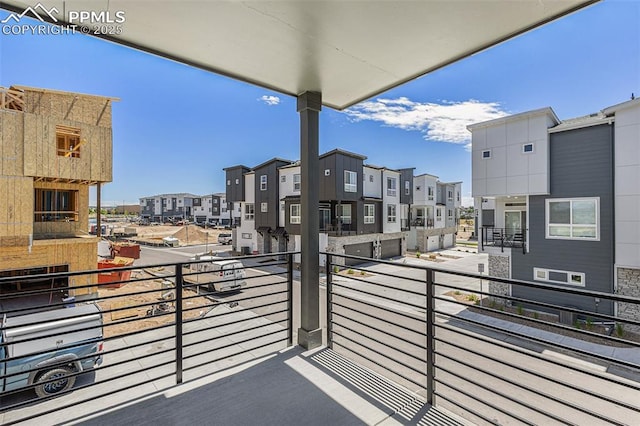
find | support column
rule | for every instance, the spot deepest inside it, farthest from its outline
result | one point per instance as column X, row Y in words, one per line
column 98, row 208
column 309, row 333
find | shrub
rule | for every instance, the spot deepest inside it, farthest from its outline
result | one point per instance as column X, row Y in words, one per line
column 362, row 272
column 589, row 323
column 418, row 254
column 473, row 298
column 535, row 315
column 619, row 330
column 350, row 272
column 336, row 269
column 519, row 309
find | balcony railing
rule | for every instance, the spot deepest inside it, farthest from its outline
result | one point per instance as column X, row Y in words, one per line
column 342, row 230
column 504, row 237
column 441, row 337
column 490, row 358
column 428, row 223
column 159, row 335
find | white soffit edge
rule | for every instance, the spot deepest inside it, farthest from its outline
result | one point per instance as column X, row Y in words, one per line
column 347, row 50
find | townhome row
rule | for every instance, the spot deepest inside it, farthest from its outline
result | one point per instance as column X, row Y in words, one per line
column 559, row 202
column 205, row 209
column 365, row 210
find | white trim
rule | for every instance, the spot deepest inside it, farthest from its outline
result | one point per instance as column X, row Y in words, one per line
column 351, row 186
column 546, row 219
column 369, row 219
column 524, row 145
column 294, row 219
column 570, row 274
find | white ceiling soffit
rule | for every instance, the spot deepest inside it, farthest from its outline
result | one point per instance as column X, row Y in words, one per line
column 348, row 50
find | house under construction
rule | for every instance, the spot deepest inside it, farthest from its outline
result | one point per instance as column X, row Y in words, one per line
column 53, row 146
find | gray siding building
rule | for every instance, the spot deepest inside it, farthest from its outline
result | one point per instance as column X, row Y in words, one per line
column 554, row 199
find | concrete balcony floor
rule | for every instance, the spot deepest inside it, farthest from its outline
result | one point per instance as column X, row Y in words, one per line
column 289, row 387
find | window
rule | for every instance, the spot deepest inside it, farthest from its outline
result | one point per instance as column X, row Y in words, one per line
column 297, row 183
column 407, row 187
column 282, row 205
column 450, row 195
column 283, row 178
column 418, row 188
column 391, row 213
column 572, row 219
column 391, row 187
column 458, row 196
column 246, row 235
column 263, row 183
column 228, row 182
column 68, row 141
column 430, row 193
column 486, row 154
column 215, row 201
column 249, row 212
column 450, row 213
column 237, row 181
column 370, row 178
column 369, row 213
column 527, row 147
column 350, row 181
column 343, row 211
column 560, row 277
column 264, row 207
column 53, row 205
column 294, row 213
column 438, row 214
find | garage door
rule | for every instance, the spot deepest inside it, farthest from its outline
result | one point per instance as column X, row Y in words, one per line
column 433, row 243
column 448, row 240
column 362, row 249
column 390, row 248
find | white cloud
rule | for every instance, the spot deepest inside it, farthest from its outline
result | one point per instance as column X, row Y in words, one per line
column 269, row 100
column 444, row 122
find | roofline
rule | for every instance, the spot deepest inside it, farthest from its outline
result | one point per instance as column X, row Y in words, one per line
column 239, row 166
column 603, row 121
column 273, row 160
column 343, row 152
column 540, row 111
column 623, row 105
column 61, row 92
column 427, row 174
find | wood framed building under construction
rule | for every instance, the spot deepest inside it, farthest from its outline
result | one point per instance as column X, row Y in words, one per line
column 53, row 146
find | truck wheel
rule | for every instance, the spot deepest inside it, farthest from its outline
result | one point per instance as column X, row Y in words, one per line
column 62, row 383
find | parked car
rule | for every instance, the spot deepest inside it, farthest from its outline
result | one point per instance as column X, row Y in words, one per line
column 218, row 274
column 225, row 238
column 52, row 345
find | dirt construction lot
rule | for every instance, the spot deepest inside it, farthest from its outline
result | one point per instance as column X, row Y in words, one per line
column 145, row 289
column 187, row 235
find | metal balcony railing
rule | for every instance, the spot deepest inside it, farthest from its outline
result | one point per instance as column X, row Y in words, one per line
column 462, row 342
column 428, row 223
column 504, row 237
column 491, row 358
column 159, row 335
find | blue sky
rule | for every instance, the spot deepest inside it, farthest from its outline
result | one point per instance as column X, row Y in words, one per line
column 176, row 127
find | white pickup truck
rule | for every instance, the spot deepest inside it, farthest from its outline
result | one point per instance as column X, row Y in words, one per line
column 44, row 348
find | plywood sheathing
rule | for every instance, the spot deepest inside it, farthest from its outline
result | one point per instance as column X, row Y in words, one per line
column 79, row 253
column 16, row 208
